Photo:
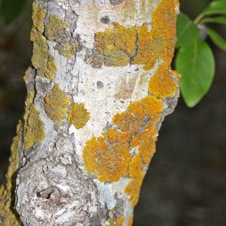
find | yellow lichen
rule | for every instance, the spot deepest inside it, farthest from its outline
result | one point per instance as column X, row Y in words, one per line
column 130, row 221
column 117, row 45
column 33, row 129
column 7, row 215
column 56, row 31
column 56, row 104
column 133, row 189
column 78, row 115
column 135, row 166
column 55, row 27
column 33, row 125
column 27, row 74
column 116, row 221
column 175, row 73
column 109, row 157
column 37, row 17
column 162, row 84
column 140, row 44
column 41, row 58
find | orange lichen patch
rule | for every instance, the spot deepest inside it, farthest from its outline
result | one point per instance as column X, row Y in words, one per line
column 145, row 54
column 152, row 106
column 56, row 104
column 136, row 166
column 107, row 156
column 125, row 122
column 136, row 108
column 147, row 150
column 113, row 40
column 164, row 19
column 116, row 45
column 148, row 133
column 8, row 217
column 78, row 115
column 162, row 84
column 116, row 221
column 133, row 189
column 140, row 44
column 37, row 17
column 130, row 221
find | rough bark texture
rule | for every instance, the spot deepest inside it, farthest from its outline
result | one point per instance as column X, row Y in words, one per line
column 99, row 88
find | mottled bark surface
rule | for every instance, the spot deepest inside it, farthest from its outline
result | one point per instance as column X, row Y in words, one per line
column 99, row 88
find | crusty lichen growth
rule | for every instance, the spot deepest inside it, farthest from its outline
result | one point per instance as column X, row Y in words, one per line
column 7, row 215
column 37, row 17
column 57, row 30
column 130, row 221
column 56, row 104
column 78, row 115
column 109, row 156
column 125, row 149
column 33, row 125
column 41, row 58
column 116, row 221
column 163, row 83
column 140, row 44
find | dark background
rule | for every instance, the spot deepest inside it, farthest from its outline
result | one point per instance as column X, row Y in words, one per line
column 186, row 181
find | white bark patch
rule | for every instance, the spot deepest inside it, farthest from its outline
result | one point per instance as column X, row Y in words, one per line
column 106, row 194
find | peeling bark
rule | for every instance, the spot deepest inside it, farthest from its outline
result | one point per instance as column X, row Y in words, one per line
column 99, row 87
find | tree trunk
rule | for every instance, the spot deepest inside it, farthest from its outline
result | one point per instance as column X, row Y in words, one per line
column 99, row 88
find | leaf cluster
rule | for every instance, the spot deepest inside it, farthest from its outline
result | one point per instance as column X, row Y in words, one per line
column 194, row 59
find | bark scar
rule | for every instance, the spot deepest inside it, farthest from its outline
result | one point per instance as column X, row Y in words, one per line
column 51, row 192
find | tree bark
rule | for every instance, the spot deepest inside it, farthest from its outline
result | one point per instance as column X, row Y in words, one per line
column 99, row 87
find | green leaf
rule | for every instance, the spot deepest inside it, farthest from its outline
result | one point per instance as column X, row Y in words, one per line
column 217, row 39
column 11, row 9
column 216, row 19
column 187, row 31
column 215, row 7
column 196, row 64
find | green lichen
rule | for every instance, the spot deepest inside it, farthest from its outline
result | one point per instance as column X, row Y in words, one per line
column 78, row 115
column 56, row 104
column 41, row 58
column 38, row 16
column 33, row 125
column 56, row 30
